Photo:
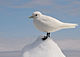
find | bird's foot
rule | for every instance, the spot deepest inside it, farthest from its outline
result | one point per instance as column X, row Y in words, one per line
column 45, row 37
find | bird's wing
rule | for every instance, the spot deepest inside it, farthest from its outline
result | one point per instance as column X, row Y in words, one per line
column 51, row 21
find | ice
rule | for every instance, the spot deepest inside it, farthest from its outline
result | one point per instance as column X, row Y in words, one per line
column 40, row 48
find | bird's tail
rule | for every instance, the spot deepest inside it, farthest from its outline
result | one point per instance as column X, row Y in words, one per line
column 69, row 25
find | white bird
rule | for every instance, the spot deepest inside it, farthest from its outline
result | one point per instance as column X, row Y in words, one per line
column 49, row 24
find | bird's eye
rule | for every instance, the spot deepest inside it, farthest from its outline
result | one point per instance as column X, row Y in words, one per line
column 36, row 15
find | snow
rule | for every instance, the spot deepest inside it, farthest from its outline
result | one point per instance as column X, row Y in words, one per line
column 40, row 48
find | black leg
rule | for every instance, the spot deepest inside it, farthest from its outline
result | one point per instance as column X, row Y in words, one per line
column 48, row 34
column 45, row 37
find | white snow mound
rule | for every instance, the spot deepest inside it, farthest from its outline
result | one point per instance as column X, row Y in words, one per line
column 40, row 48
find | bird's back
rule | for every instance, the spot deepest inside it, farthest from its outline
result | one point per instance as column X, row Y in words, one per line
column 47, row 23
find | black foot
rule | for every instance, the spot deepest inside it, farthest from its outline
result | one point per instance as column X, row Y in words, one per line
column 45, row 37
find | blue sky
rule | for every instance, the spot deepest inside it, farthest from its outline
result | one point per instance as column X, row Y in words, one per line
column 16, row 28
column 14, row 21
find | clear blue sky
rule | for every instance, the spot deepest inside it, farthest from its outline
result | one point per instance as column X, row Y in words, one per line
column 14, row 21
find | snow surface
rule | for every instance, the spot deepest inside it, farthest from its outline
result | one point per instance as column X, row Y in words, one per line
column 40, row 48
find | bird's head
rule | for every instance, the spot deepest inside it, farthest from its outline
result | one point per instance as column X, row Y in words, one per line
column 35, row 14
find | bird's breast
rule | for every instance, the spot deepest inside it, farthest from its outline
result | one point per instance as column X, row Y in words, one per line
column 42, row 26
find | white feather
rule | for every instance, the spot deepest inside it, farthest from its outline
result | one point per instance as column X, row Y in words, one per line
column 49, row 24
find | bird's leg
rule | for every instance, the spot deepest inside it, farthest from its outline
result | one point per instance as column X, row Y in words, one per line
column 45, row 37
column 48, row 34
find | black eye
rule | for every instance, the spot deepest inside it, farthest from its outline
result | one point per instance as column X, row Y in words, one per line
column 36, row 15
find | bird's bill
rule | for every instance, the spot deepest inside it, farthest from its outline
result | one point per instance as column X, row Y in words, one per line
column 31, row 16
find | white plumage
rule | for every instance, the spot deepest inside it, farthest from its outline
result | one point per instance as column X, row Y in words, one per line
column 49, row 24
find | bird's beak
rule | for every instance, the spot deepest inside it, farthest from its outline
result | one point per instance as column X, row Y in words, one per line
column 31, row 16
